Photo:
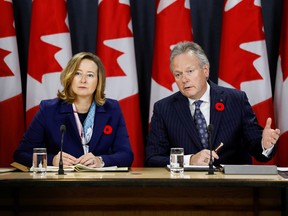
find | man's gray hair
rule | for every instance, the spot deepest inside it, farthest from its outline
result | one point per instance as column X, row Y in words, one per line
column 188, row 46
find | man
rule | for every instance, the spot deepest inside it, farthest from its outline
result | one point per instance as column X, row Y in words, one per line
column 175, row 124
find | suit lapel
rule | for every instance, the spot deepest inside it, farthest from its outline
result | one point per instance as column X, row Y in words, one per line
column 70, row 120
column 181, row 106
column 182, row 109
column 216, row 95
column 101, row 119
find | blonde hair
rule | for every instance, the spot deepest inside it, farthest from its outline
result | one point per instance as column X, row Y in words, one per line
column 69, row 72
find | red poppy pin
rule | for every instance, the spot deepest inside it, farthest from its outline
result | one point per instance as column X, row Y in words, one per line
column 107, row 130
column 219, row 106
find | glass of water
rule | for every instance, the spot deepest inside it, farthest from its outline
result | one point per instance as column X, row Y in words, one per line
column 177, row 160
column 39, row 161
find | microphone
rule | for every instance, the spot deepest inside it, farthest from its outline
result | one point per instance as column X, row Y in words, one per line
column 61, row 170
column 210, row 129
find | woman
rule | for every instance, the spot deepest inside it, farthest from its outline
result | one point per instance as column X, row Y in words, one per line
column 96, row 133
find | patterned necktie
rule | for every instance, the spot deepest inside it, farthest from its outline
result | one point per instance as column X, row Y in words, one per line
column 200, row 123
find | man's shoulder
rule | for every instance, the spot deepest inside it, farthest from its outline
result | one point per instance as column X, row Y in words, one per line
column 226, row 90
column 170, row 98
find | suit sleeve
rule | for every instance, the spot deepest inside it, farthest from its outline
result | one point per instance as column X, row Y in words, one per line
column 33, row 138
column 253, row 132
column 157, row 147
column 121, row 153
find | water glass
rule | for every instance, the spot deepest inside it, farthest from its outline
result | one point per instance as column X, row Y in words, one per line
column 39, row 161
column 177, row 160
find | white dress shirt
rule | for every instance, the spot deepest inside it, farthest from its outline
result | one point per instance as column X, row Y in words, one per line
column 205, row 109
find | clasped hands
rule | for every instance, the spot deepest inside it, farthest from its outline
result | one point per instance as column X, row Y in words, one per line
column 269, row 139
column 88, row 159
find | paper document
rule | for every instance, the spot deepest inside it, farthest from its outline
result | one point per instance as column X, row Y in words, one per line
column 282, row 169
column 7, row 169
column 83, row 168
column 194, row 168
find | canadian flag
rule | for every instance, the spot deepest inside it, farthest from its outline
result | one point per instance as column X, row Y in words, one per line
column 243, row 56
column 115, row 47
column 49, row 52
column 281, row 91
column 11, row 103
column 173, row 24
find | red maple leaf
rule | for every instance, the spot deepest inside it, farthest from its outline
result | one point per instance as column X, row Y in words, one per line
column 6, row 30
column 7, row 19
column 173, row 24
column 48, row 18
column 4, row 69
column 111, row 16
column 236, row 64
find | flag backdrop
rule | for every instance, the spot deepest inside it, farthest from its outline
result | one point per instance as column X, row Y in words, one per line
column 173, row 24
column 115, row 47
column 281, row 92
column 157, row 25
column 49, row 52
column 243, row 57
column 11, row 103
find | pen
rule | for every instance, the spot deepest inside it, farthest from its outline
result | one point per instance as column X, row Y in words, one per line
column 217, row 149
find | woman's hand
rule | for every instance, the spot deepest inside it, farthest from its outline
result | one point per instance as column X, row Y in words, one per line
column 68, row 160
column 90, row 160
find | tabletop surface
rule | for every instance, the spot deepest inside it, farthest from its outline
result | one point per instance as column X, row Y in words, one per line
column 140, row 177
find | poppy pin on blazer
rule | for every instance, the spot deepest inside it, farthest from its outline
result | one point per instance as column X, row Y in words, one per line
column 219, row 106
column 107, row 130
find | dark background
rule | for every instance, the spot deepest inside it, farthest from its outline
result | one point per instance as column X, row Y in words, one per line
column 206, row 18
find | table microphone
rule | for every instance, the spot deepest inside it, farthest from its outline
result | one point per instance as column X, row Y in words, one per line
column 61, row 170
column 210, row 129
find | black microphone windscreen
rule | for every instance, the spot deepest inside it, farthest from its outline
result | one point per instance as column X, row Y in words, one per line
column 210, row 128
column 62, row 128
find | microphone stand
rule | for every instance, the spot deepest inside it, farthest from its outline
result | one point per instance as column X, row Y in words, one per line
column 61, row 169
column 211, row 169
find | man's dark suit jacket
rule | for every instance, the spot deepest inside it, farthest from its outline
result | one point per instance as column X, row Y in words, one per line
column 236, row 126
column 109, row 140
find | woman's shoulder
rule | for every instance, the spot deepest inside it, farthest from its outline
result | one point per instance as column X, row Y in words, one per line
column 51, row 102
column 111, row 102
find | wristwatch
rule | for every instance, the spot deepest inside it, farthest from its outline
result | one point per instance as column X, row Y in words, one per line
column 102, row 162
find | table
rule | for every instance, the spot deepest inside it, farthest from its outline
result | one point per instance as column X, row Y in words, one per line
column 141, row 191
